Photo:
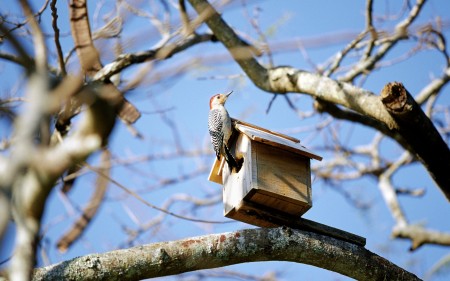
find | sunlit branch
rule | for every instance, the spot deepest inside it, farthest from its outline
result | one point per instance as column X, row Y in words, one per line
column 126, row 60
column 419, row 235
column 217, row 250
column 401, row 33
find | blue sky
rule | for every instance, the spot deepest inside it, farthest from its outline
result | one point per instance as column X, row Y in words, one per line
column 186, row 98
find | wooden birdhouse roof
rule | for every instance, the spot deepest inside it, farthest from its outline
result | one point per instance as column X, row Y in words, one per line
column 265, row 136
column 272, row 138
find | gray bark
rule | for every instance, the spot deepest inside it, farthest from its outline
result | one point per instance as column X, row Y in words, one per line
column 218, row 250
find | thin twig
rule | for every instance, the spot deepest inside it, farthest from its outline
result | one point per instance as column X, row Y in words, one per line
column 187, row 29
column 271, row 102
column 59, row 51
column 91, row 208
column 145, row 202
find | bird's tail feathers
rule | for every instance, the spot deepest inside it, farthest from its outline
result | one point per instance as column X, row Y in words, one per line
column 232, row 163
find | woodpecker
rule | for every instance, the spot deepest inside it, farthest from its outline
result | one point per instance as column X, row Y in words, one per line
column 219, row 125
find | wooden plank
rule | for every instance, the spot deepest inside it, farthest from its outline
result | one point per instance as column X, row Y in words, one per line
column 279, row 203
column 250, row 216
column 277, row 141
column 319, row 228
column 215, row 175
column 237, row 185
column 260, row 216
column 236, row 121
column 283, row 173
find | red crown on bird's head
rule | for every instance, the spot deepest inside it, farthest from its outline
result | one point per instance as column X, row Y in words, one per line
column 212, row 99
column 223, row 96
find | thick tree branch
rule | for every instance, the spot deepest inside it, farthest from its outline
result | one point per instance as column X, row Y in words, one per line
column 419, row 235
column 81, row 33
column 218, row 250
column 419, row 132
column 288, row 79
column 33, row 170
column 336, row 112
column 89, row 56
column 23, row 185
column 239, row 49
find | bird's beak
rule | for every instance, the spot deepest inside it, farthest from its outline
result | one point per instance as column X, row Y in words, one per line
column 227, row 95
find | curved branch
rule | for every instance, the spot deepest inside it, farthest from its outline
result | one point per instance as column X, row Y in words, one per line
column 218, row 250
column 90, row 58
column 433, row 87
column 33, row 170
column 419, row 235
column 22, row 61
column 91, row 208
column 40, row 48
column 81, row 33
column 59, row 51
column 401, row 32
column 336, row 112
column 163, row 52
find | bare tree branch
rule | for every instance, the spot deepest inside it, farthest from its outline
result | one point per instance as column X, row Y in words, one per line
column 187, row 30
column 429, row 147
column 32, row 178
column 91, row 208
column 59, row 51
column 24, row 184
column 23, row 58
column 419, row 235
column 433, row 87
column 148, row 204
column 217, row 250
column 401, row 32
column 163, row 52
column 89, row 57
column 81, row 33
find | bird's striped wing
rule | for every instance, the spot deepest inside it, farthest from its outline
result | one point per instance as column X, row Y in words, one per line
column 215, row 123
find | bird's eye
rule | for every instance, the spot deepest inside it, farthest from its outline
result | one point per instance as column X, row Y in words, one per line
column 218, row 97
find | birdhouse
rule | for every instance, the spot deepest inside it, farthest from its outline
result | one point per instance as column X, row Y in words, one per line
column 274, row 180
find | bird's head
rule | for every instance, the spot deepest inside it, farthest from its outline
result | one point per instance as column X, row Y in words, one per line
column 219, row 99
